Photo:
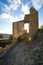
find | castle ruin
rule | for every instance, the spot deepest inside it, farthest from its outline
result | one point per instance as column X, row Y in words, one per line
column 31, row 19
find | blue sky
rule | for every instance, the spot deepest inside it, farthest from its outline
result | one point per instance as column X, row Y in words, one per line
column 15, row 10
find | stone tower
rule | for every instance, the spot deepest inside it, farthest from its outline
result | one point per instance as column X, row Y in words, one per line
column 33, row 22
column 32, row 19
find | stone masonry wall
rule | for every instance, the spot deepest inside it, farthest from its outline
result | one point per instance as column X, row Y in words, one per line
column 21, row 27
column 18, row 28
column 14, row 28
column 33, row 22
column 32, row 19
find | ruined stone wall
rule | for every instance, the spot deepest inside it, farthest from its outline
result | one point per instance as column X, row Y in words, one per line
column 18, row 28
column 27, row 18
column 33, row 22
column 15, row 29
column 32, row 19
column 21, row 27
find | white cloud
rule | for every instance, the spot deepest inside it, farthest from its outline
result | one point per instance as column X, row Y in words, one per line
column 25, row 9
column 42, row 1
column 16, row 1
column 14, row 4
column 37, row 4
column 9, row 17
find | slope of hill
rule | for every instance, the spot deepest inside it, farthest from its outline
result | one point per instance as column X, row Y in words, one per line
column 25, row 53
